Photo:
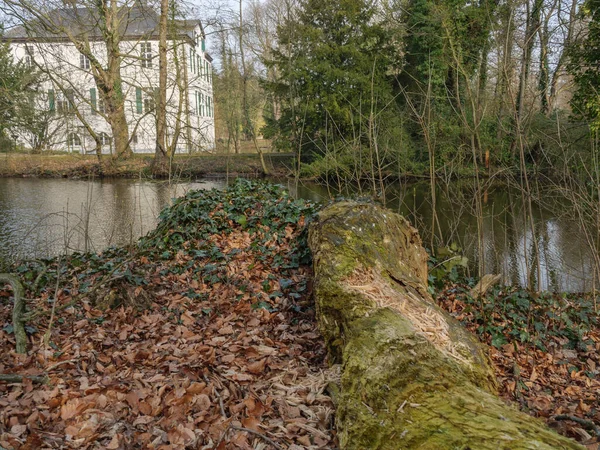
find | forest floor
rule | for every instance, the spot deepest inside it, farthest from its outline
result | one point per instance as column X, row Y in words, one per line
column 82, row 166
column 545, row 349
column 203, row 335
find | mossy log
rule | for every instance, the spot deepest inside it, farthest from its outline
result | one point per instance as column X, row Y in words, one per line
column 412, row 376
column 18, row 311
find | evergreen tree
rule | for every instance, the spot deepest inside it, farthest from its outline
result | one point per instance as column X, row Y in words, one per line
column 17, row 90
column 584, row 65
column 334, row 67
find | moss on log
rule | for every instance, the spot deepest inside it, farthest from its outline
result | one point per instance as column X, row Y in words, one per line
column 412, row 376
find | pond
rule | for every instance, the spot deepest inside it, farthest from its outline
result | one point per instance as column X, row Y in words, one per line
column 46, row 217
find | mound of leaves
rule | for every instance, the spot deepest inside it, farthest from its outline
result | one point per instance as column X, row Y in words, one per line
column 546, row 349
column 202, row 336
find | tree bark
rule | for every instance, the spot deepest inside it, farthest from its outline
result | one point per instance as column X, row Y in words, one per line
column 563, row 54
column 246, row 120
column 412, row 376
column 159, row 165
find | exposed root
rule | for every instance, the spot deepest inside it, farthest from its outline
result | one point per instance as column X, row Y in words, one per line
column 18, row 311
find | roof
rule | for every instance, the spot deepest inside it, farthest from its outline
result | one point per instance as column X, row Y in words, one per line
column 138, row 21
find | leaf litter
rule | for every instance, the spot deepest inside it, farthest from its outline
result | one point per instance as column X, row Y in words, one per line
column 202, row 336
column 545, row 349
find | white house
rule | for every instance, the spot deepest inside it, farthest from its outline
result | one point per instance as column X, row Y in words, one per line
column 71, row 100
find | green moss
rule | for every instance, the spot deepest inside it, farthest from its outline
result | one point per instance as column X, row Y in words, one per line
column 398, row 391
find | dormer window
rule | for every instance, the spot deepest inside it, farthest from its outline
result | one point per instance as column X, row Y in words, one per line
column 84, row 62
column 146, row 55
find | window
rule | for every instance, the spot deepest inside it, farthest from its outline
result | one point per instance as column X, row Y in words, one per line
column 199, row 64
column 67, row 103
column 84, row 62
column 101, row 106
column 105, row 139
column 29, row 56
column 97, row 103
column 138, row 100
column 209, row 110
column 191, row 60
column 73, row 141
column 134, row 138
column 146, row 54
column 93, row 102
column 149, row 102
column 51, row 101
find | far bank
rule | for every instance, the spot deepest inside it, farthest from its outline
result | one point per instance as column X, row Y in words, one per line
column 71, row 165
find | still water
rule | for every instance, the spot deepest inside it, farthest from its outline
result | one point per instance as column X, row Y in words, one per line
column 46, row 217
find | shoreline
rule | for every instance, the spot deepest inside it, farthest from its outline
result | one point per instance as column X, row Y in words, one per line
column 75, row 166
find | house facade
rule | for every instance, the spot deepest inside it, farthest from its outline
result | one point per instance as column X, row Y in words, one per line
column 71, row 104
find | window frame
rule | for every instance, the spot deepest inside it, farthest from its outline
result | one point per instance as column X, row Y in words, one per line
column 73, row 141
column 146, row 54
column 84, row 62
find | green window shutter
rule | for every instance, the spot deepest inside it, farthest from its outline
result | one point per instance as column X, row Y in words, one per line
column 138, row 100
column 93, row 100
column 203, row 45
column 51, row 100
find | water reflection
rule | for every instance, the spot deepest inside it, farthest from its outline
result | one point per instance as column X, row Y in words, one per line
column 42, row 217
column 508, row 244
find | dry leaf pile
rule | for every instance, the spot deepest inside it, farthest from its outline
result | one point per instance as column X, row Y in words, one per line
column 546, row 351
column 201, row 337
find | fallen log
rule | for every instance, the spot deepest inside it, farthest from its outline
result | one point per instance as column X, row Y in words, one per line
column 412, row 376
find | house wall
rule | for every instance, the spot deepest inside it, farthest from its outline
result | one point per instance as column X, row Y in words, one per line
column 69, row 73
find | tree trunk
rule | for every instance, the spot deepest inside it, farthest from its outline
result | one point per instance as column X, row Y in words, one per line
column 412, row 376
column 159, row 165
column 562, row 58
column 246, row 120
column 533, row 24
column 115, row 100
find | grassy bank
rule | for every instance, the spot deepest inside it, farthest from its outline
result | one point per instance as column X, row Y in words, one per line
column 79, row 166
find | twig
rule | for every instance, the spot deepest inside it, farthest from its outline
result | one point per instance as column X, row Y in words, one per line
column 218, row 396
column 16, row 378
column 583, row 422
column 53, row 312
column 60, row 363
column 260, row 435
column 223, row 436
